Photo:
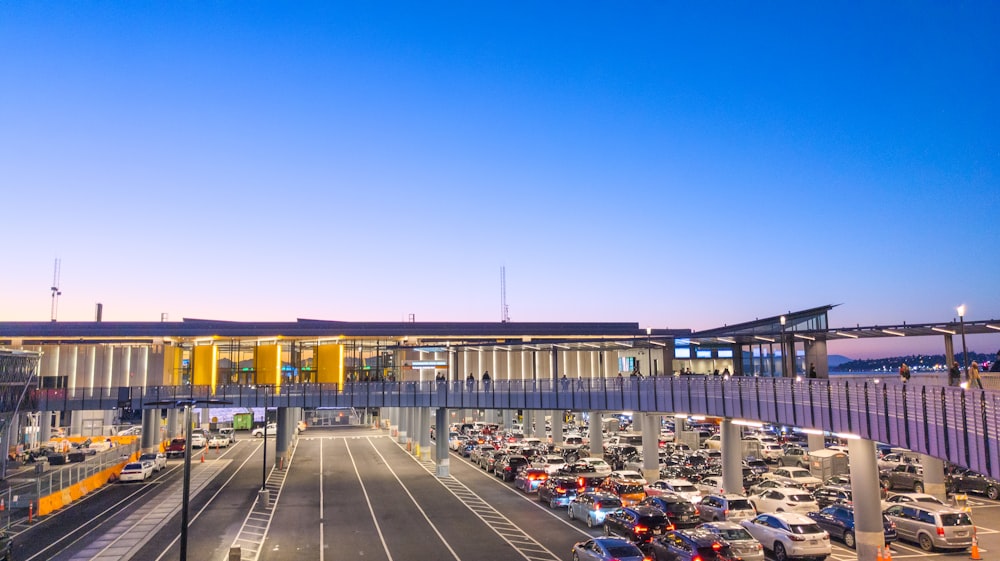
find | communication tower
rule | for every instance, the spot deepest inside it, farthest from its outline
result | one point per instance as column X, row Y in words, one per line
column 504, row 310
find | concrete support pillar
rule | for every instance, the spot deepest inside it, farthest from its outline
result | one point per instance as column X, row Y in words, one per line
column 529, row 421
column 595, row 434
column 867, row 499
column 204, row 417
column 949, row 350
column 69, row 369
column 150, row 430
column 75, row 423
column 441, row 443
column 815, row 442
column 650, row 446
column 107, row 370
column 816, row 355
column 557, row 427
column 425, row 433
column 934, row 481
column 124, row 378
column 404, row 425
column 173, row 423
column 45, row 426
column 732, row 456
column 527, row 365
column 282, row 439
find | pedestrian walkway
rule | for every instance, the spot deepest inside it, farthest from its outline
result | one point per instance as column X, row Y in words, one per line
column 124, row 540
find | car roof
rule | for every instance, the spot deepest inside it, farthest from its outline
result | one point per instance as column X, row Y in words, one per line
column 721, row 525
column 699, row 535
column 792, row 517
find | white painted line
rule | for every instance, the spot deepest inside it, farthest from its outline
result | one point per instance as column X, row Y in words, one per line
column 371, row 510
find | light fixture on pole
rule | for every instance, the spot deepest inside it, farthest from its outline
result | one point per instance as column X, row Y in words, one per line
column 187, row 404
column 965, row 351
column 785, row 371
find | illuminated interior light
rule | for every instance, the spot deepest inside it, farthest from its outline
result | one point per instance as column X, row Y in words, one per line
column 660, row 343
column 729, row 340
column 996, row 327
column 847, row 435
column 697, row 417
column 806, row 337
column 943, row 330
column 592, row 345
column 891, row 332
column 624, row 343
column 532, row 347
column 842, row 334
column 759, row 338
column 565, row 347
column 813, row 432
column 744, row 423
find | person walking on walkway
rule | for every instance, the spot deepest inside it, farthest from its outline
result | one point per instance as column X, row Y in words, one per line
column 954, row 374
column 995, row 367
column 974, row 379
column 904, row 373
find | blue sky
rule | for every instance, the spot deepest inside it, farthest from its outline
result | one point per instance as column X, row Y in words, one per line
column 671, row 165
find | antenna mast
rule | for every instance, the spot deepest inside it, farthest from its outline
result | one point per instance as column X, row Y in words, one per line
column 55, row 289
column 504, row 311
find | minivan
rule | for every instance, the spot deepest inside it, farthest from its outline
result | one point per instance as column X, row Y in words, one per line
column 932, row 526
column 728, row 506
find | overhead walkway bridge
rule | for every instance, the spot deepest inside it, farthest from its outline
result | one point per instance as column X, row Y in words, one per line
column 950, row 423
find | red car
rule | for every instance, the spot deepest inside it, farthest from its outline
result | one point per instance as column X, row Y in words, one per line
column 176, row 448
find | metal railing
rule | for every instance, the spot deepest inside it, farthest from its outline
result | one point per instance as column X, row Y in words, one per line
column 951, row 423
column 23, row 491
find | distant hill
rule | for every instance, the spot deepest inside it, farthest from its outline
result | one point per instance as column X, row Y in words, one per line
column 837, row 360
column 917, row 363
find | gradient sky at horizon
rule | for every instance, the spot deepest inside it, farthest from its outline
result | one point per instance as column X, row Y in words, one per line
column 671, row 165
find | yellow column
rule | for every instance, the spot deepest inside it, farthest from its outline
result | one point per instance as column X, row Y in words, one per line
column 330, row 364
column 206, row 368
column 267, row 363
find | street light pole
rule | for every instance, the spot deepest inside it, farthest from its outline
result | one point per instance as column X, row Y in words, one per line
column 785, row 373
column 187, row 481
column 965, row 351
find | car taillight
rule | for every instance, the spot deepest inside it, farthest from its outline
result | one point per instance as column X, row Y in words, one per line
column 641, row 528
column 560, row 490
column 726, row 513
column 696, row 558
column 796, row 538
column 716, row 546
column 940, row 531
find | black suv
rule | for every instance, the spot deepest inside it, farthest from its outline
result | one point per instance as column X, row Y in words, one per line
column 506, row 468
column 680, row 512
column 963, row 480
column 691, row 545
column 639, row 523
column 830, row 494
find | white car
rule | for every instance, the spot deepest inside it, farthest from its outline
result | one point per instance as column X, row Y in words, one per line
column 798, row 475
column 628, row 474
column 784, row 499
column 198, row 440
column 136, row 471
column 218, row 440
column 550, row 463
column 158, row 458
column 711, row 486
column 771, row 452
column 789, row 535
column 600, row 466
column 272, row 430
column 680, row 487
column 713, row 442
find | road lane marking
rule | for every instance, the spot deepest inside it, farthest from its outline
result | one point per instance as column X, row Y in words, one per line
column 371, row 510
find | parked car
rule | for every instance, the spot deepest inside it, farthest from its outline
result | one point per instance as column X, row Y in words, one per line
column 741, row 542
column 198, row 440
column 507, row 467
column 607, row 549
column 680, row 512
column 784, row 499
column 904, row 498
column 600, row 466
column 176, row 448
column 217, row 440
column 932, row 526
column 789, row 535
column 136, row 471
column 529, row 479
column 557, row 490
column 711, row 485
column 159, row 460
column 681, row 487
column 691, row 545
column 767, row 484
column 637, row 523
column 728, row 506
column 229, row 433
column 551, row 463
column 904, row 476
column 830, row 494
column 259, row 432
column 964, row 480
column 796, row 456
column 592, row 508
column 798, row 475
column 838, row 521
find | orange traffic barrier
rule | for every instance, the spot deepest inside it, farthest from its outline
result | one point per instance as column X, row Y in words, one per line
column 975, row 548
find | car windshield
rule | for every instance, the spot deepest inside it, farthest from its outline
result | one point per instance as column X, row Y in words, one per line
column 734, row 534
column 629, row 489
column 653, row 520
column 805, row 528
column 957, row 519
column 800, row 498
column 680, row 508
column 609, row 503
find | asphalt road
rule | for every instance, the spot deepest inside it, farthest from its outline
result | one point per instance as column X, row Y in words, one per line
column 348, row 493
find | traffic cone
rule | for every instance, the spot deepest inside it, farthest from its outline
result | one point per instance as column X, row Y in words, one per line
column 879, row 557
column 202, row 456
column 975, row 548
column 888, row 554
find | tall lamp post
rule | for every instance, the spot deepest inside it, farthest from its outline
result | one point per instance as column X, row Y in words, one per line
column 965, row 351
column 785, row 371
